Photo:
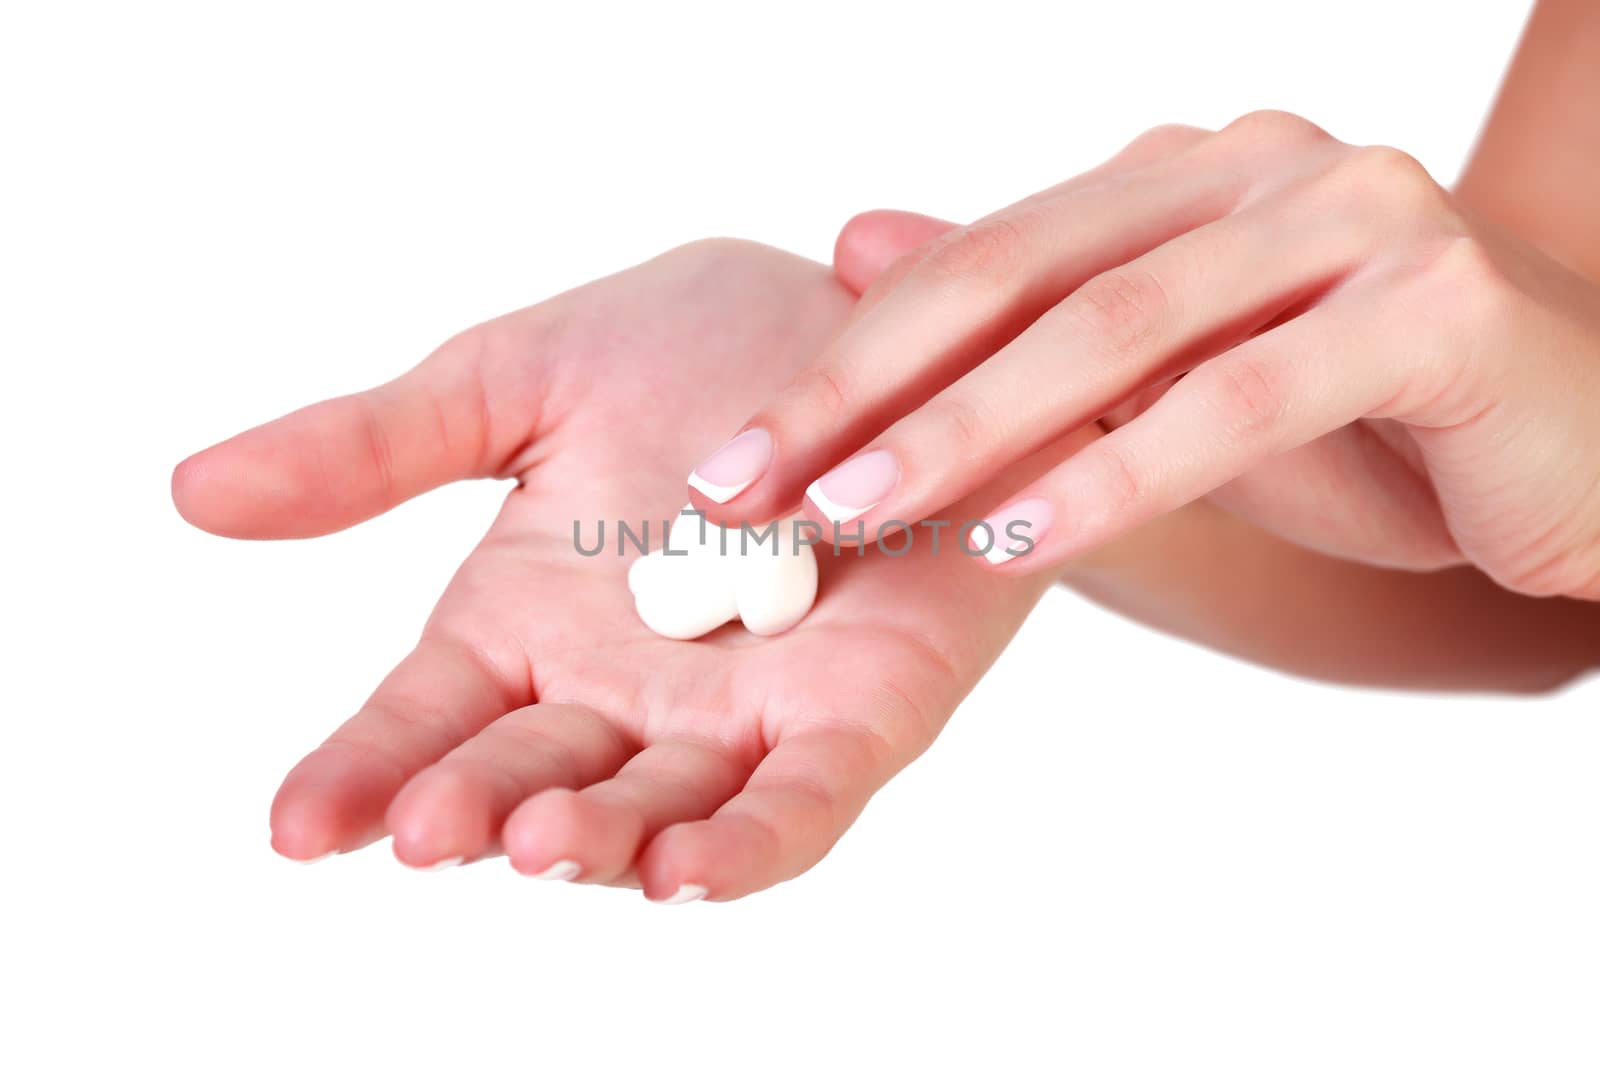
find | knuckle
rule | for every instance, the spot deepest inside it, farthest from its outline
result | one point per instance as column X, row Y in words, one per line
column 1122, row 310
column 380, row 447
column 1378, row 174
column 1248, row 398
column 470, row 346
column 469, row 360
column 1158, row 142
column 961, row 422
column 823, row 387
column 1384, row 162
column 1124, row 484
column 1275, row 128
column 991, row 252
column 473, row 353
column 713, row 248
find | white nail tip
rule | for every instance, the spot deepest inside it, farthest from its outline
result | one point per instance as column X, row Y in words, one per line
column 443, row 865
column 998, row 553
column 560, row 871
column 317, row 859
column 687, row 893
column 721, row 494
column 835, row 511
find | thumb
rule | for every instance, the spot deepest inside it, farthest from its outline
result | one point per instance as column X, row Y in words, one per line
column 872, row 241
column 339, row 462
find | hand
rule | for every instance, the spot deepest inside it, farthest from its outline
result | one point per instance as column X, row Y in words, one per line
column 537, row 714
column 1317, row 335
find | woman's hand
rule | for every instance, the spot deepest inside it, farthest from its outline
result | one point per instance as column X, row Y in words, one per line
column 537, row 715
column 1316, row 334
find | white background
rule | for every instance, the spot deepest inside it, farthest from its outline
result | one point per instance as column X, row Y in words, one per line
column 1123, row 851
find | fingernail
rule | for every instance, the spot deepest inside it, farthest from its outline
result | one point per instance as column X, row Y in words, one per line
column 686, row 893
column 560, row 871
column 855, row 486
column 729, row 470
column 1012, row 531
column 317, row 859
column 444, row 864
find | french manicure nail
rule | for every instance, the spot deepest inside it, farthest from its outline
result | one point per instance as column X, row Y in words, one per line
column 1013, row 531
column 444, row 864
column 560, row 871
column 686, row 893
column 317, row 859
column 855, row 486
column 729, row 470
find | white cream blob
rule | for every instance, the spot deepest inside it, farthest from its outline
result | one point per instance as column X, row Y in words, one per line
column 722, row 575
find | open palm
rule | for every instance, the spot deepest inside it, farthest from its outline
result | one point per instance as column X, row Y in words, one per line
column 537, row 715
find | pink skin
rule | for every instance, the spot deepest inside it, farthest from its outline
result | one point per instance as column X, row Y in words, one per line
column 1315, row 335
column 537, row 716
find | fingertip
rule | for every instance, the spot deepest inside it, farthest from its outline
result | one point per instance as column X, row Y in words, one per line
column 326, row 805
column 721, row 512
column 312, row 472
column 299, row 831
column 766, row 500
column 440, row 815
column 869, row 242
column 545, row 831
column 724, row 482
column 702, row 860
column 234, row 490
column 194, row 493
column 675, row 857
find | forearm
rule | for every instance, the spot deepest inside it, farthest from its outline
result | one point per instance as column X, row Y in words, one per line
column 1536, row 168
column 1204, row 575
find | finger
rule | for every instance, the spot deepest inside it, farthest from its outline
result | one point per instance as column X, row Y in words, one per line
column 595, row 834
column 871, row 242
column 437, row 697
column 453, row 811
column 1288, row 386
column 800, row 800
column 963, row 299
column 872, row 248
column 462, row 413
column 876, row 250
column 1115, row 336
